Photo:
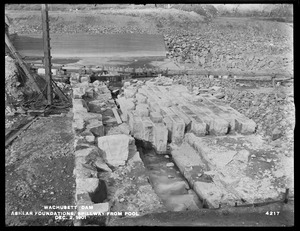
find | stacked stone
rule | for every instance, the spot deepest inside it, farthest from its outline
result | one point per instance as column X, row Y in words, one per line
column 93, row 150
column 87, row 127
column 159, row 112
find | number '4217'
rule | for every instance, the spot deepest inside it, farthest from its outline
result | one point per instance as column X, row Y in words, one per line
column 272, row 213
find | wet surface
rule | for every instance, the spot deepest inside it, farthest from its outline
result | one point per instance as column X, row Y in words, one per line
column 167, row 181
column 85, row 45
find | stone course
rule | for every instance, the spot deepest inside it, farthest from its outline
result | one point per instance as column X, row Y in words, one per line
column 179, row 111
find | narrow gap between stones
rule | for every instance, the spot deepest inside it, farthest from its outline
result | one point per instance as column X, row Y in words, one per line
column 167, row 181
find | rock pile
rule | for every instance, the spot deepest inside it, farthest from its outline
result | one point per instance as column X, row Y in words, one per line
column 274, row 113
column 272, row 110
column 227, row 49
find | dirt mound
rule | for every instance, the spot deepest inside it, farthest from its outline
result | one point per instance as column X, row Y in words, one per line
column 13, row 87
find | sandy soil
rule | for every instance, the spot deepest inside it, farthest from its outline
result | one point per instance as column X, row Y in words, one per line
column 39, row 171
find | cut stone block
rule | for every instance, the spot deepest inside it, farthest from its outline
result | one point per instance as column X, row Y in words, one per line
column 242, row 124
column 169, row 124
column 178, row 127
column 96, row 105
column 136, row 125
column 79, row 105
column 153, row 105
column 217, row 125
column 147, row 129
column 90, row 139
column 96, row 127
column 89, row 92
column 97, row 83
column 80, row 171
column 102, row 96
column 88, row 185
column 102, row 166
column 183, row 116
column 135, row 158
column 115, row 147
column 78, row 125
column 130, row 92
column 78, row 92
column 245, row 126
column 210, row 192
column 85, row 79
column 141, row 98
column 198, row 127
column 86, row 116
column 102, row 89
column 85, row 152
column 125, row 106
column 156, row 117
column 160, row 133
column 126, row 84
column 142, row 110
column 188, row 161
column 75, row 76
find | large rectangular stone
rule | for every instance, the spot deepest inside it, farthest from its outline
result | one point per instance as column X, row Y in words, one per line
column 86, row 116
column 79, row 105
column 169, row 124
column 96, row 105
column 243, row 124
column 78, row 125
column 160, row 133
column 136, row 125
column 115, row 147
column 142, row 110
column 230, row 118
column 125, row 106
column 198, row 126
column 183, row 116
column 210, row 192
column 78, row 92
column 141, row 98
column 147, row 129
column 130, row 92
column 217, row 125
column 102, row 96
column 156, row 117
column 177, row 129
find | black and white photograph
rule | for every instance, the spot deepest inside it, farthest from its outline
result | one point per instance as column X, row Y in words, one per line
column 144, row 114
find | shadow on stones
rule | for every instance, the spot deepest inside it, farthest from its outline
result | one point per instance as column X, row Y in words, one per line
column 100, row 194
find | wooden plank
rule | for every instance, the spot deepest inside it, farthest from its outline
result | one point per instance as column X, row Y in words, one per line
column 116, row 114
column 10, row 139
column 47, row 54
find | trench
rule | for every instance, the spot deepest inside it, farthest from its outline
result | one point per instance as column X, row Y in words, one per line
column 167, row 181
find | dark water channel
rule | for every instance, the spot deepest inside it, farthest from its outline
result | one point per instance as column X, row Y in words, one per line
column 167, row 181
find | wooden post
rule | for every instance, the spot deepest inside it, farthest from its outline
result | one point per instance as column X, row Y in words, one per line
column 47, row 55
